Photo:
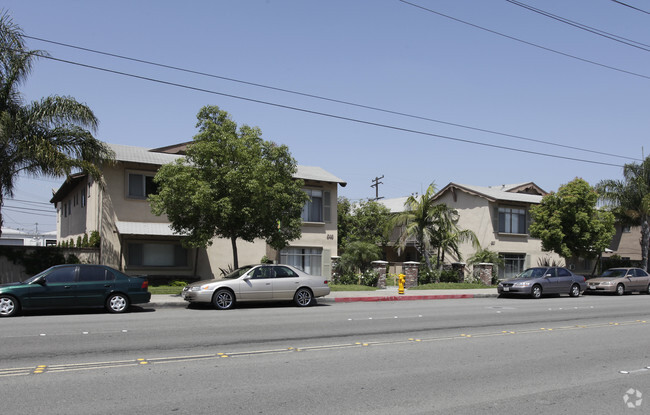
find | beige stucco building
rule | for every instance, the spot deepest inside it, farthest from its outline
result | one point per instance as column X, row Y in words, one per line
column 499, row 216
column 138, row 242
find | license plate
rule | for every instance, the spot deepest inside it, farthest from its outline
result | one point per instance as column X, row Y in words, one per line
column 593, row 287
column 506, row 288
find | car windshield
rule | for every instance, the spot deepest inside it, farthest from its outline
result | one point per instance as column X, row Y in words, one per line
column 35, row 277
column 238, row 272
column 614, row 273
column 533, row 273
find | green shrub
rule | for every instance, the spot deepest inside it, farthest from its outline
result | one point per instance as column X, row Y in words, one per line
column 370, row 278
column 94, row 240
column 41, row 259
column 178, row 283
column 448, row 275
column 348, row 279
column 428, row 276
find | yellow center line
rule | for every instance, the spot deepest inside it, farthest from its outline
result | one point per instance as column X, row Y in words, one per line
column 47, row 369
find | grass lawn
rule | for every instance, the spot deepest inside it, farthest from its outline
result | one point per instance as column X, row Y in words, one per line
column 165, row 289
column 451, row 286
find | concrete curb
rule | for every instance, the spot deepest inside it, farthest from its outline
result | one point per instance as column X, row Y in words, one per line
column 169, row 301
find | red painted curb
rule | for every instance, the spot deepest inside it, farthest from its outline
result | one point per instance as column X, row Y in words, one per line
column 403, row 298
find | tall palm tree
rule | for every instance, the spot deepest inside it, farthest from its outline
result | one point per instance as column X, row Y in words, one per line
column 432, row 226
column 631, row 200
column 417, row 222
column 49, row 137
column 449, row 235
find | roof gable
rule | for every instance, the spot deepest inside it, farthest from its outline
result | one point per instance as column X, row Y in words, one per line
column 522, row 193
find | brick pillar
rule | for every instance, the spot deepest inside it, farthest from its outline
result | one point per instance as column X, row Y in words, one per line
column 380, row 268
column 410, row 270
column 485, row 272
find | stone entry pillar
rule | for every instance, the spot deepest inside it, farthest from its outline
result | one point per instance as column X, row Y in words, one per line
column 380, row 268
column 410, row 270
column 485, row 272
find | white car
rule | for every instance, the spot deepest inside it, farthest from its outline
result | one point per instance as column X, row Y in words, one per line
column 264, row 282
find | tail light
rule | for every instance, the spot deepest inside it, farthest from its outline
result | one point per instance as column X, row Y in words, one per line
column 145, row 285
column 326, row 282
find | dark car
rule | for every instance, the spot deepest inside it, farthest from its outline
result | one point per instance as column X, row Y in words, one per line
column 69, row 286
column 544, row 280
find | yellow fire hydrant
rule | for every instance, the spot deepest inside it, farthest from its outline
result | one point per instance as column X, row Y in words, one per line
column 400, row 286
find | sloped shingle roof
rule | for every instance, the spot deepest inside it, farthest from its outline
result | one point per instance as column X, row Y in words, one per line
column 147, row 156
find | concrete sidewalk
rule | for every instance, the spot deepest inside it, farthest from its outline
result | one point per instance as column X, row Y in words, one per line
column 387, row 294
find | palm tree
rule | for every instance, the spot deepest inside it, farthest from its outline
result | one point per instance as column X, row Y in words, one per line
column 49, row 137
column 432, row 226
column 631, row 200
column 418, row 222
column 448, row 236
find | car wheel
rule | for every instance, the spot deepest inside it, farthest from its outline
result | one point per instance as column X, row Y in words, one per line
column 575, row 290
column 223, row 299
column 303, row 297
column 620, row 289
column 647, row 290
column 117, row 303
column 536, row 292
column 8, row 306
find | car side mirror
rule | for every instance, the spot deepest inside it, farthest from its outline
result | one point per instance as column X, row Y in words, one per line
column 547, row 275
column 40, row 281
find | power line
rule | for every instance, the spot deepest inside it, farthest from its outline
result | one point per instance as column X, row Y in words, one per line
column 323, row 114
column 630, row 6
column 590, row 29
column 338, row 101
column 22, row 210
column 29, row 201
column 602, row 65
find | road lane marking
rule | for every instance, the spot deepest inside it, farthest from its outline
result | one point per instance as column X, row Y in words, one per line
column 71, row 367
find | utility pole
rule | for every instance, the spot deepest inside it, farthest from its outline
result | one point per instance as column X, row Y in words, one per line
column 376, row 183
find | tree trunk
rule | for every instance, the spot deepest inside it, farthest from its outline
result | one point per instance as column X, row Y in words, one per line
column 235, row 261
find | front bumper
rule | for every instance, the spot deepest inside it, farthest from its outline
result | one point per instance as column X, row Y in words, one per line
column 601, row 288
column 514, row 290
column 203, row 296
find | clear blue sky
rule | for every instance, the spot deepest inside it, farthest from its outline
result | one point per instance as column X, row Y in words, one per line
column 379, row 53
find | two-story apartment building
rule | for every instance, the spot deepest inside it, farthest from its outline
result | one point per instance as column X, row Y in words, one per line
column 138, row 242
column 499, row 216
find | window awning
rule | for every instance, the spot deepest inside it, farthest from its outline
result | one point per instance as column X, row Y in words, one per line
column 145, row 228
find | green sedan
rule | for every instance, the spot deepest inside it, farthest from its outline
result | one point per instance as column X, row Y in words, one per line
column 69, row 286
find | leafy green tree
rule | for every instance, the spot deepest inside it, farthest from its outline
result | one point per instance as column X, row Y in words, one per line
column 569, row 223
column 231, row 184
column 630, row 200
column 358, row 256
column 49, row 137
column 368, row 222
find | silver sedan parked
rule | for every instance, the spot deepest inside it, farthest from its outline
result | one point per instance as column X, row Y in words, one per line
column 544, row 280
column 620, row 281
column 262, row 282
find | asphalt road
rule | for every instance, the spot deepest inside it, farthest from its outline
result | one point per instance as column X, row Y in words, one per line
column 485, row 356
